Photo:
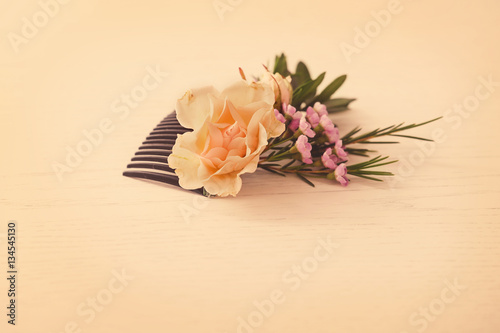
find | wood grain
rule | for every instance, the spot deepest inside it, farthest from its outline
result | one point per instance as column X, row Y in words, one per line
column 200, row 265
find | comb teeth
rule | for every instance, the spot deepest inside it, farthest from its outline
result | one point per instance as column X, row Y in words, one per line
column 150, row 161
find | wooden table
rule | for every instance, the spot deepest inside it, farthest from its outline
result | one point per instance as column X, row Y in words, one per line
column 98, row 252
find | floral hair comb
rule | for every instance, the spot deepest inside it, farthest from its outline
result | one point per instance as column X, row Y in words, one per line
column 279, row 123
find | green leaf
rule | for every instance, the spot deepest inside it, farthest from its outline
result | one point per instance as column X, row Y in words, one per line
column 380, row 164
column 306, row 90
column 269, row 165
column 288, row 164
column 411, row 137
column 330, row 89
column 366, row 177
column 338, row 104
column 380, row 142
column 374, row 173
column 301, row 75
column 363, row 165
column 307, row 181
column 359, row 151
column 272, row 171
column 351, row 133
column 388, row 131
column 280, row 65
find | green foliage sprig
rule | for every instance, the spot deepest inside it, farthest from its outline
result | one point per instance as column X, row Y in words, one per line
column 282, row 157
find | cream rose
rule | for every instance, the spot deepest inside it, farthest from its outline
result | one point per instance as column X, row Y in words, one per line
column 280, row 85
column 230, row 130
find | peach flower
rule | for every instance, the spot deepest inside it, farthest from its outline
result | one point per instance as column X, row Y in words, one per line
column 230, row 130
column 280, row 85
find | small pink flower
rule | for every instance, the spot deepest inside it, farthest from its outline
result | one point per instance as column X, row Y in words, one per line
column 320, row 109
column 305, row 127
column 341, row 175
column 289, row 110
column 331, row 132
column 304, row 148
column 294, row 124
column 312, row 116
column 339, row 150
column 279, row 116
column 329, row 159
column 292, row 115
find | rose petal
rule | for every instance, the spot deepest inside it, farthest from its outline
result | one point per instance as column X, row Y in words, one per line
column 185, row 161
column 243, row 93
column 196, row 106
column 218, row 152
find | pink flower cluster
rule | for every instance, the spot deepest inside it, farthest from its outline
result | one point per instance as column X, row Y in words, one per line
column 312, row 128
column 304, row 148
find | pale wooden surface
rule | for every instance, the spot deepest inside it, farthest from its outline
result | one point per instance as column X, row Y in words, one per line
column 397, row 242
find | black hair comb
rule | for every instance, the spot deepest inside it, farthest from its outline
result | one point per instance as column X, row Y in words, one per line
column 150, row 161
